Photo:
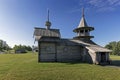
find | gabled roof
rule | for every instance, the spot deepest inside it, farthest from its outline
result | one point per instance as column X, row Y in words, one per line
column 43, row 32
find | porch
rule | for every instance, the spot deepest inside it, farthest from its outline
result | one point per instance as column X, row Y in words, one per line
column 102, row 57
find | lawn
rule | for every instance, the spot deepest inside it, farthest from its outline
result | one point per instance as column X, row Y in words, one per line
column 113, row 57
column 26, row 67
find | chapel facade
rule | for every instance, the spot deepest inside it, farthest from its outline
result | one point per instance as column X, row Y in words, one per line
column 53, row 48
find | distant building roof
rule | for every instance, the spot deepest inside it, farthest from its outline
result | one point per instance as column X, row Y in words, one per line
column 43, row 32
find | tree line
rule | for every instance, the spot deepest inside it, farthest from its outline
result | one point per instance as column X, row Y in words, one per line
column 5, row 47
column 22, row 47
column 114, row 46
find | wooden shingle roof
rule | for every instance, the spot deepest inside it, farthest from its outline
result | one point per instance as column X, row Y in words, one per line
column 43, row 32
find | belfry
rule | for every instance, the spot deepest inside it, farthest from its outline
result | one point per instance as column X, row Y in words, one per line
column 83, row 30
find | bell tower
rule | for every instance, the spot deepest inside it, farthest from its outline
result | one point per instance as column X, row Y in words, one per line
column 83, row 30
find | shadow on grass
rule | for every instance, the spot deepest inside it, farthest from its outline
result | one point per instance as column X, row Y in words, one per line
column 68, row 62
column 115, row 63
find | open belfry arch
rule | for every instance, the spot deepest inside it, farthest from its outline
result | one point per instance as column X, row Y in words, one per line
column 53, row 48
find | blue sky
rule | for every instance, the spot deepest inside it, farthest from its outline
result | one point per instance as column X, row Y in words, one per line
column 19, row 17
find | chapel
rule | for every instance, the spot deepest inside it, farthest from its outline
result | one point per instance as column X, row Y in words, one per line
column 81, row 48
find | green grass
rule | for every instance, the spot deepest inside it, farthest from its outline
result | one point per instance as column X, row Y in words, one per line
column 113, row 57
column 26, row 67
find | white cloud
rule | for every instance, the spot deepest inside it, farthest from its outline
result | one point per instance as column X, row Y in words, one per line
column 97, row 3
column 113, row 2
column 101, row 5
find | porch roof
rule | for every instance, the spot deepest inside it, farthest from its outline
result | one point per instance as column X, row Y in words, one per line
column 92, row 46
column 97, row 48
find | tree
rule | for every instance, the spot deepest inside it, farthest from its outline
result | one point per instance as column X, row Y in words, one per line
column 0, row 45
column 4, row 45
column 29, row 48
column 115, row 47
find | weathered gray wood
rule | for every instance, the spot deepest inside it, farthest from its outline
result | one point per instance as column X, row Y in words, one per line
column 81, row 48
